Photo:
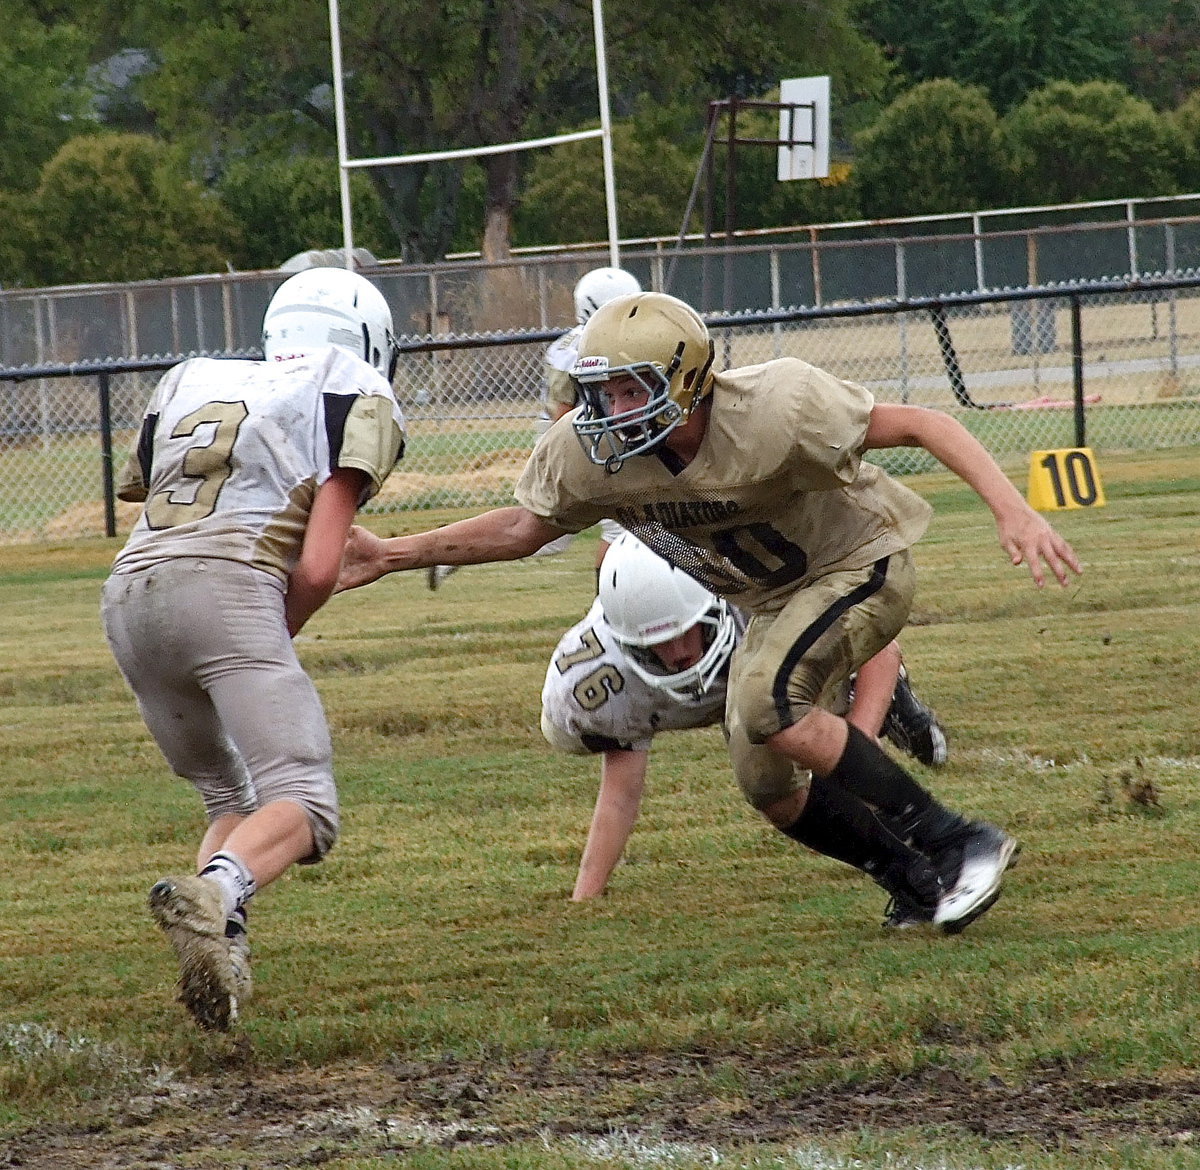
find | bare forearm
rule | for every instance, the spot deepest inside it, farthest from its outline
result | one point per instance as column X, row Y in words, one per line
column 302, row 601
column 465, row 542
column 616, row 812
column 1026, row 536
column 945, row 438
column 503, row 534
column 312, row 580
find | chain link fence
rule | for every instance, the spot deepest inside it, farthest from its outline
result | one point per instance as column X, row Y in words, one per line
column 816, row 266
column 1113, row 365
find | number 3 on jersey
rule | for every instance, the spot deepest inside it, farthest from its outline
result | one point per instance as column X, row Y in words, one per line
column 207, row 462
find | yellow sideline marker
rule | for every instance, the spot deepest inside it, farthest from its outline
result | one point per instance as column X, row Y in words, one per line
column 1066, row 478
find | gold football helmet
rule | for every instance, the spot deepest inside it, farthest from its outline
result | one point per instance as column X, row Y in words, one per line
column 661, row 342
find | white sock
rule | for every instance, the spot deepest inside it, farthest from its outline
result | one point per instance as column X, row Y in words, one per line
column 235, row 880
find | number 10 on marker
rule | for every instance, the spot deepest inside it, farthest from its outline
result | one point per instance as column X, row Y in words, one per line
column 1067, row 478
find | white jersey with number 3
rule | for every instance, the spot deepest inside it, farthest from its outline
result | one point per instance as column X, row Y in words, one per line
column 231, row 454
column 596, row 701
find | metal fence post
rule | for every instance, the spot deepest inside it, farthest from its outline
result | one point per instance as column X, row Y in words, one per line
column 106, row 456
column 1077, row 365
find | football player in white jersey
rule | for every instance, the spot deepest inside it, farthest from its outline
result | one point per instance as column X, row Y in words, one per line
column 633, row 667
column 753, row 482
column 593, row 289
column 251, row 473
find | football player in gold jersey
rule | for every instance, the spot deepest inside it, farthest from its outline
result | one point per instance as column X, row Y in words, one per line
column 753, row 482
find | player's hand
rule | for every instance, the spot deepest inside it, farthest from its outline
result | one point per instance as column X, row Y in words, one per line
column 362, row 560
column 1030, row 539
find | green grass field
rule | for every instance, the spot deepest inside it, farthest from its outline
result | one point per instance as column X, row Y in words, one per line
column 429, row 998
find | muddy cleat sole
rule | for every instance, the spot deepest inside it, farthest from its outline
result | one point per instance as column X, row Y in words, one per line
column 961, row 924
column 190, row 911
column 986, row 854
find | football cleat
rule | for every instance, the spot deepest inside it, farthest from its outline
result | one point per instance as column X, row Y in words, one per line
column 903, row 913
column 971, row 864
column 913, row 727
column 915, row 888
column 436, row 574
column 191, row 912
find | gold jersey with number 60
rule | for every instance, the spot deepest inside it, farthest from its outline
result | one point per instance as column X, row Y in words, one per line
column 777, row 496
column 230, row 455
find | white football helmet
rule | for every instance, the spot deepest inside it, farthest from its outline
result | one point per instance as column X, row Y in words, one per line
column 661, row 342
column 647, row 601
column 600, row 286
column 320, row 307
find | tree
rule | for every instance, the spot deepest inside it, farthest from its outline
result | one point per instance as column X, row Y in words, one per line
column 563, row 197
column 43, row 100
column 1070, row 143
column 1009, row 47
column 285, row 206
column 122, row 207
column 1166, row 51
column 238, row 82
column 1187, row 121
column 18, row 230
column 935, row 149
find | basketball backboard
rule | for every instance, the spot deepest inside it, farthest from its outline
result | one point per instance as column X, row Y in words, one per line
column 804, row 128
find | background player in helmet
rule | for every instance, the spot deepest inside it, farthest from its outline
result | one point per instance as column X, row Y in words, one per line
column 593, row 289
column 251, row 473
column 753, row 481
column 652, row 654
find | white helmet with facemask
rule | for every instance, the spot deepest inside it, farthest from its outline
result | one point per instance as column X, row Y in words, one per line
column 320, row 307
column 647, row 601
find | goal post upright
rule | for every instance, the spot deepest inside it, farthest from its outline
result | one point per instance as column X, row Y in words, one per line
column 603, row 132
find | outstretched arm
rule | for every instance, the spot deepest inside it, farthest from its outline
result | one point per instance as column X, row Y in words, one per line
column 622, row 779
column 503, row 534
column 1024, row 534
column 312, row 579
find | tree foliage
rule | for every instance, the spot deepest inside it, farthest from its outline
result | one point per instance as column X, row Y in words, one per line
column 43, row 99
column 563, row 201
column 1008, row 47
column 121, row 207
column 235, row 108
column 237, row 81
column 936, row 148
column 1094, row 141
column 1186, row 119
column 289, row 205
column 1166, row 51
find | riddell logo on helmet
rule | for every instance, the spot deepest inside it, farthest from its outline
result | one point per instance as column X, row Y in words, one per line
column 590, row 365
column 654, row 628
